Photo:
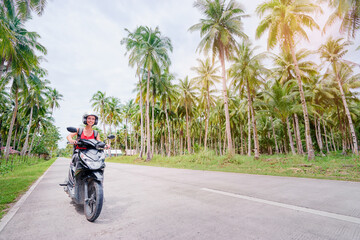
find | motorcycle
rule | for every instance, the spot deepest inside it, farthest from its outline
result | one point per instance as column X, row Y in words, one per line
column 86, row 175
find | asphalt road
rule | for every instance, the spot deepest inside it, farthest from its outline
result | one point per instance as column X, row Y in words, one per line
column 160, row 203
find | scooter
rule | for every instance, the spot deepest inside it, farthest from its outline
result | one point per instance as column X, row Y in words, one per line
column 86, row 175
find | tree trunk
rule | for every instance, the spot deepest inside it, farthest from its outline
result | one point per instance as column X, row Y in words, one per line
column 256, row 140
column 347, row 112
column 342, row 129
column 148, row 154
column 19, row 140
column 162, row 145
column 7, row 148
column 152, row 125
column 241, row 140
column 219, row 140
column 23, row 151
column 187, row 130
column 274, row 135
column 169, row 134
column 226, row 105
column 269, row 147
column 291, row 141
column 142, row 146
column 126, row 146
column 298, row 141
column 326, row 138
column 318, row 135
column 181, row 143
column 15, row 135
column 32, row 141
column 332, row 138
column 309, row 145
column 249, row 130
column 207, row 119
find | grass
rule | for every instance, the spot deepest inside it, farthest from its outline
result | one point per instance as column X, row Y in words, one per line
column 14, row 183
column 334, row 166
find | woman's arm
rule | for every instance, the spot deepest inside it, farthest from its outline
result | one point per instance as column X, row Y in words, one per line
column 70, row 137
column 98, row 137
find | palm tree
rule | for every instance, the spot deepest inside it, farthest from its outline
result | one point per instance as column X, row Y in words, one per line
column 53, row 99
column 35, row 99
column 133, row 43
column 245, row 72
column 348, row 11
column 128, row 111
column 281, row 99
column 206, row 78
column 20, row 64
column 333, row 51
column 284, row 21
column 23, row 8
column 219, row 29
column 152, row 55
column 167, row 92
column 187, row 99
column 99, row 100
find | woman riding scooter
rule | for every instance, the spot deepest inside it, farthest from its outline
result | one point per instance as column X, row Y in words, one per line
column 86, row 133
column 83, row 133
column 84, row 184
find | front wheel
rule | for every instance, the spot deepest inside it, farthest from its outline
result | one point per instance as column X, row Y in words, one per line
column 93, row 204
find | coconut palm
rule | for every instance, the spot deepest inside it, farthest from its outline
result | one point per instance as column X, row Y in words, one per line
column 333, row 51
column 348, row 11
column 206, row 79
column 219, row 31
column 53, row 98
column 100, row 100
column 153, row 55
column 128, row 112
column 35, row 99
column 167, row 92
column 133, row 43
column 281, row 101
column 23, row 8
column 285, row 20
column 245, row 71
column 187, row 99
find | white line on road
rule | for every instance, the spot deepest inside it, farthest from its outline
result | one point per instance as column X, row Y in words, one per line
column 302, row 209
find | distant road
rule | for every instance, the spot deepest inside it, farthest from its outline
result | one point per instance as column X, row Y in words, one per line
column 161, row 203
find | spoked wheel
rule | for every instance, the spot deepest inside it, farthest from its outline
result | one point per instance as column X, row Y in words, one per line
column 93, row 204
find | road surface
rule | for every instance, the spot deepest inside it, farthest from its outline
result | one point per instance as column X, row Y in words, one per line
column 144, row 202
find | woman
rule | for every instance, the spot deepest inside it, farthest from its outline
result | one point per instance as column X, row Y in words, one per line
column 85, row 133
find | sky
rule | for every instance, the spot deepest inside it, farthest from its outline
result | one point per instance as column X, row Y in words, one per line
column 83, row 37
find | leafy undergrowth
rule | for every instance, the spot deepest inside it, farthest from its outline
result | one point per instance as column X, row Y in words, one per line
column 14, row 183
column 333, row 166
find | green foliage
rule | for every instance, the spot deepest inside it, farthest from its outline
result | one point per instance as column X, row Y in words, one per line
column 47, row 142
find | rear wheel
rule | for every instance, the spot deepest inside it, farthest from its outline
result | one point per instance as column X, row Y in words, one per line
column 93, row 204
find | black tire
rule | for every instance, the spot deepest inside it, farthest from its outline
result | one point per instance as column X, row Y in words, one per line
column 93, row 205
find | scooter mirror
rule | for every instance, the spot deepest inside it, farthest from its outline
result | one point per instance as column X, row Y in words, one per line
column 111, row 137
column 71, row 129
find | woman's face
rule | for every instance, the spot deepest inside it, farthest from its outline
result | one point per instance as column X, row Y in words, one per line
column 90, row 120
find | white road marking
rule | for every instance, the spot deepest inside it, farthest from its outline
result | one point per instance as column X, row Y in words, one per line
column 10, row 214
column 302, row 209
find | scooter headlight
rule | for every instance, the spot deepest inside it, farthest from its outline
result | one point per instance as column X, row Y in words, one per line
column 90, row 162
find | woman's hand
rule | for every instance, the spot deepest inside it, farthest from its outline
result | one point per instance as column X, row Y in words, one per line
column 72, row 141
column 107, row 146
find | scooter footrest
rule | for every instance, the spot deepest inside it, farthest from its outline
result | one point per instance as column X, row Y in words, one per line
column 63, row 184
